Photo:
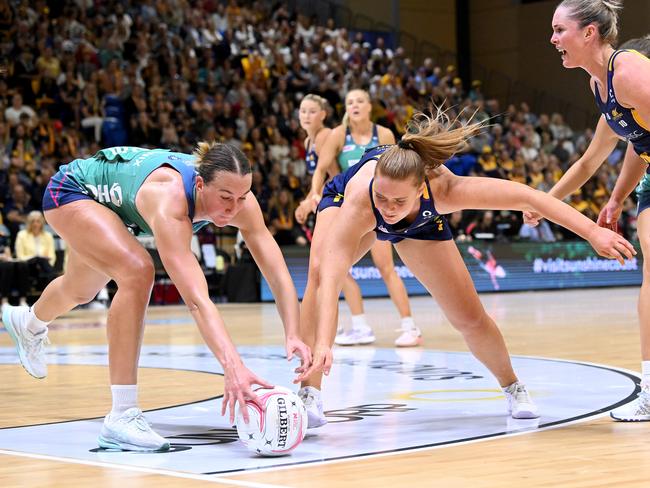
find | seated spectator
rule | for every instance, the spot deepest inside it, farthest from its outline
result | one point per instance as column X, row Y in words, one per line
column 483, row 227
column 16, row 209
column 14, row 278
column 35, row 246
column 13, row 113
column 283, row 226
column 540, row 233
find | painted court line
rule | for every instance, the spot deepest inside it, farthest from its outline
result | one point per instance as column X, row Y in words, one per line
column 175, row 474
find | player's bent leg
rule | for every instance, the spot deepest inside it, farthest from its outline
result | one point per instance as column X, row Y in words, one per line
column 119, row 256
column 456, row 295
column 27, row 326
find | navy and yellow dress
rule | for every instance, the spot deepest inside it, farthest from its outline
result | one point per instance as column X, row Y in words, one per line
column 628, row 124
column 429, row 225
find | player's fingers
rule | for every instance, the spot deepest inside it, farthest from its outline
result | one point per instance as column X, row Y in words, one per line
column 224, row 403
column 232, row 406
column 243, row 408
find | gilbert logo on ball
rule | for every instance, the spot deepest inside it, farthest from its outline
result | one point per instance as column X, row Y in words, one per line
column 277, row 429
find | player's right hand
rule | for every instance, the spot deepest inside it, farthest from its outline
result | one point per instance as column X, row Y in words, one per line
column 238, row 381
column 321, row 361
column 532, row 218
column 303, row 210
column 611, row 245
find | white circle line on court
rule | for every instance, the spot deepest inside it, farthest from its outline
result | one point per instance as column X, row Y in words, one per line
column 219, row 479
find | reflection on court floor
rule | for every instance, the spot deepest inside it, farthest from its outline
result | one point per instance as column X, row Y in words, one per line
column 378, row 401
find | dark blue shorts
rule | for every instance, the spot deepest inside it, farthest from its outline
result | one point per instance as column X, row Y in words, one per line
column 436, row 230
column 644, row 201
column 332, row 197
column 61, row 190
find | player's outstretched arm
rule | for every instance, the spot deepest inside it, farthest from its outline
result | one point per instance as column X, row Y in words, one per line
column 457, row 193
column 632, row 171
column 338, row 253
column 270, row 260
column 600, row 147
column 166, row 212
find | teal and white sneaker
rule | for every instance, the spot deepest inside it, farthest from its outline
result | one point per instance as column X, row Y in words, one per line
column 636, row 411
column 130, row 432
column 30, row 346
column 310, row 396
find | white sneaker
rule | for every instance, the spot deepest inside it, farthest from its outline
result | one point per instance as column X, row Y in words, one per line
column 30, row 346
column 409, row 337
column 130, row 432
column 310, row 396
column 520, row 405
column 636, row 411
column 359, row 335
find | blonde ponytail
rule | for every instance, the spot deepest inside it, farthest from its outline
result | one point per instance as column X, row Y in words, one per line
column 429, row 142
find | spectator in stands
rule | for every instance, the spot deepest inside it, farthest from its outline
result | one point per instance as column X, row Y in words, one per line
column 14, row 275
column 13, row 113
column 284, row 228
column 35, row 246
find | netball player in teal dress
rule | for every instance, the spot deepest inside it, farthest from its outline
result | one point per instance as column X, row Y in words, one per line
column 92, row 204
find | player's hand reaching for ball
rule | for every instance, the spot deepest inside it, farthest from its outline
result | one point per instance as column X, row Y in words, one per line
column 611, row 245
column 238, row 381
column 296, row 347
column 321, row 361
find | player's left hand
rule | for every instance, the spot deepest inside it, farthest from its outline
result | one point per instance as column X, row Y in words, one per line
column 611, row 245
column 609, row 215
column 321, row 361
column 296, row 347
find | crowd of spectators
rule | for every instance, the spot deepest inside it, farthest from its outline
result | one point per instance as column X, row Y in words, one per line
column 78, row 75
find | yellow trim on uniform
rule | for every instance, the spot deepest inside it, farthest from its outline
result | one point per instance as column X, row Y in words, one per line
column 634, row 51
column 639, row 120
column 426, row 192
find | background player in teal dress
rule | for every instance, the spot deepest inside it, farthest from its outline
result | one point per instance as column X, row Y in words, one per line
column 90, row 203
column 584, row 32
column 344, row 148
column 394, row 183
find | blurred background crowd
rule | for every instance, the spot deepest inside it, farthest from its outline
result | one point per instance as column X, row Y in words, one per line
column 78, row 75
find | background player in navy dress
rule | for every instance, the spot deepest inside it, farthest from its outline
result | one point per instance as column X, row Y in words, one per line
column 343, row 149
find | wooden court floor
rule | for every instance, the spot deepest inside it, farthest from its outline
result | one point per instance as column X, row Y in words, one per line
column 596, row 325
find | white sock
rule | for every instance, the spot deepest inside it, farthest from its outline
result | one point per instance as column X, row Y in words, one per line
column 408, row 323
column 34, row 324
column 645, row 375
column 359, row 321
column 124, row 397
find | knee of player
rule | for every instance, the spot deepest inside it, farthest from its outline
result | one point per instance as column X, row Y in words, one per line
column 137, row 272
column 470, row 321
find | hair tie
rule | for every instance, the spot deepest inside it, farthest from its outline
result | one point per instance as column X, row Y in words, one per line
column 402, row 144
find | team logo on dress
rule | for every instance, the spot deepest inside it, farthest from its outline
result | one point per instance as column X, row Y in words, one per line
column 106, row 194
column 616, row 114
column 382, row 229
column 427, row 213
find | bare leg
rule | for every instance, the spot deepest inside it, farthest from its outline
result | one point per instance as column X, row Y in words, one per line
column 455, row 293
column 103, row 243
column 643, row 227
